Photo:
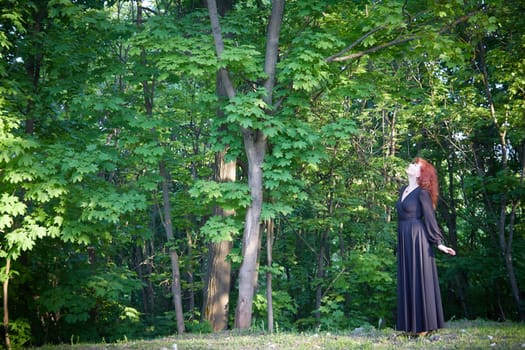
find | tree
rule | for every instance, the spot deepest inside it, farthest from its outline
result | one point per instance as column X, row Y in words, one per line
column 217, row 288
column 149, row 91
column 218, row 269
column 501, row 112
column 52, row 185
column 255, row 148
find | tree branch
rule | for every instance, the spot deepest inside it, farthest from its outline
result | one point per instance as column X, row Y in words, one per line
column 219, row 46
column 272, row 47
column 338, row 58
column 354, row 44
column 371, row 50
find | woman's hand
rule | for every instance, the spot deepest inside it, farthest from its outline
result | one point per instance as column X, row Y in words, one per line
column 446, row 249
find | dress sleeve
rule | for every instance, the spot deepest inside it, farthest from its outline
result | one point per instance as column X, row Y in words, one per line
column 433, row 231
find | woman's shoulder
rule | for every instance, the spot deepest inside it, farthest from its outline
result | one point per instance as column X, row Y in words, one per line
column 423, row 193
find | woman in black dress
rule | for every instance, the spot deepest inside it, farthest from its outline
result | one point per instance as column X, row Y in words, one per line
column 419, row 308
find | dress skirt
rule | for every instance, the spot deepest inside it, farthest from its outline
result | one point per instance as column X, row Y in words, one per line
column 419, row 307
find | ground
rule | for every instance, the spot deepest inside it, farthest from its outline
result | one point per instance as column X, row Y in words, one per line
column 458, row 335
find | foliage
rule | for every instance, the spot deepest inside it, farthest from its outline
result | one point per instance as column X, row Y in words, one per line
column 20, row 330
column 93, row 100
column 283, row 310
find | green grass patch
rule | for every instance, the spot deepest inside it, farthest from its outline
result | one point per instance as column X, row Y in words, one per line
column 458, row 335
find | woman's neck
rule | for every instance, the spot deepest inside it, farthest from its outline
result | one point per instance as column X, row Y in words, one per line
column 412, row 182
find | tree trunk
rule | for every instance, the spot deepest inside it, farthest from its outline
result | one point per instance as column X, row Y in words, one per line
column 255, row 148
column 504, row 241
column 190, row 277
column 218, row 279
column 322, row 258
column 389, row 146
column 217, row 292
column 319, row 276
column 269, row 244
column 142, row 261
column 175, row 271
column 506, row 250
column 148, row 89
column 450, row 215
column 6, row 304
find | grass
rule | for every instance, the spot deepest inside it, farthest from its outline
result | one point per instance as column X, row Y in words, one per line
column 458, row 335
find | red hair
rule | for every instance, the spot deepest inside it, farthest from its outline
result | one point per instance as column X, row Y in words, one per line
column 428, row 179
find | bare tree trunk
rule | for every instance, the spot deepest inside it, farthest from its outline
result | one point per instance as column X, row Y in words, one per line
column 320, row 274
column 255, row 148
column 175, row 270
column 507, row 253
column 189, row 252
column 190, row 276
column 269, row 245
column 6, row 303
column 389, row 146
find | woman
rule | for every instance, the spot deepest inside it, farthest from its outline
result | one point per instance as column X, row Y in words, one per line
column 419, row 308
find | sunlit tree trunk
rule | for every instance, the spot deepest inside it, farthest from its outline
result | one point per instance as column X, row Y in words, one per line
column 217, row 291
column 255, row 143
column 255, row 146
column 218, row 278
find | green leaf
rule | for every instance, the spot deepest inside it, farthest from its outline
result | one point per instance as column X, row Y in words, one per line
column 218, row 229
column 11, row 205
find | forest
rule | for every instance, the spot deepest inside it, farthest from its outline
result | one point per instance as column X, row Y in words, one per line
column 178, row 166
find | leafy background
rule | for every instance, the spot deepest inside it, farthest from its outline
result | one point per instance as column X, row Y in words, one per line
column 92, row 101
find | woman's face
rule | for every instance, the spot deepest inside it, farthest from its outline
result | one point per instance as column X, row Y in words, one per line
column 414, row 169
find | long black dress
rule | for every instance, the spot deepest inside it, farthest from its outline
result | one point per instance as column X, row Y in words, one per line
column 419, row 307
